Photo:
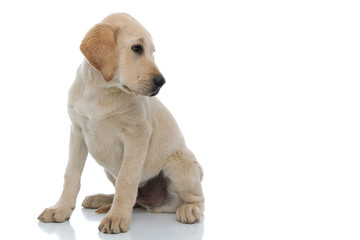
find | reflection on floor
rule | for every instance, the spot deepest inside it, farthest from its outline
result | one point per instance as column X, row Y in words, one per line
column 144, row 226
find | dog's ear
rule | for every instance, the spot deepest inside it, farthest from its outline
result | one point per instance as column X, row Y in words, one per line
column 100, row 49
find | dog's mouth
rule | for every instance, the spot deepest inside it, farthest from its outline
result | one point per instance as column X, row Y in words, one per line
column 127, row 89
column 151, row 94
column 155, row 93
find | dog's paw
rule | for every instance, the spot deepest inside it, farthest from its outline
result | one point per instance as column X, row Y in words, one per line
column 188, row 213
column 115, row 223
column 97, row 200
column 54, row 214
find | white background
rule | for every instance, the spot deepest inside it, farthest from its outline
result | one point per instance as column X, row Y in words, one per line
column 267, row 94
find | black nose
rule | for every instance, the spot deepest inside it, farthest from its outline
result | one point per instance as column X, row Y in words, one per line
column 159, row 80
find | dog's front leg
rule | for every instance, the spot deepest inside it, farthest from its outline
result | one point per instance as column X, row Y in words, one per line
column 63, row 209
column 119, row 217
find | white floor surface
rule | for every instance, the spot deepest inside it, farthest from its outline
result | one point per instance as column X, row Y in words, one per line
column 84, row 222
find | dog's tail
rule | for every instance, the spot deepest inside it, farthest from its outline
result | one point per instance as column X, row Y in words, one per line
column 104, row 209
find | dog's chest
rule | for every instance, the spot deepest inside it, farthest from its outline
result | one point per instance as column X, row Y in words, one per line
column 103, row 140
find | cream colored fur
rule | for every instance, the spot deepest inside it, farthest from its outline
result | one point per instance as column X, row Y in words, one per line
column 133, row 136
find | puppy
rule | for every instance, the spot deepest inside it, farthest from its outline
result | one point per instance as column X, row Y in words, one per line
column 129, row 132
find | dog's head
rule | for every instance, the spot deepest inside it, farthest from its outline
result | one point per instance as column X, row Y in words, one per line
column 121, row 50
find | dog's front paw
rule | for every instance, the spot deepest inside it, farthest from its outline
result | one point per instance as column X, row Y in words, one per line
column 55, row 214
column 115, row 223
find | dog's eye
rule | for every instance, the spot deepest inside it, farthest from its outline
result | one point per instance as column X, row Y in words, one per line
column 137, row 48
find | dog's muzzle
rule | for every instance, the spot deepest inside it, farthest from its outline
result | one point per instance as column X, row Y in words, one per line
column 158, row 82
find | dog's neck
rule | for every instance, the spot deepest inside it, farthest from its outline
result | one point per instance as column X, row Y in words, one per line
column 90, row 89
column 92, row 77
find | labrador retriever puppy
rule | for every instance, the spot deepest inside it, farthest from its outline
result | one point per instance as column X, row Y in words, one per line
column 129, row 132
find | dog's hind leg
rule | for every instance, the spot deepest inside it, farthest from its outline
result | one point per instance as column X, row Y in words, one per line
column 99, row 200
column 186, row 174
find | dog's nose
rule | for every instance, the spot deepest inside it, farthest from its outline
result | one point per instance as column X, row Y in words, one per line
column 159, row 81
